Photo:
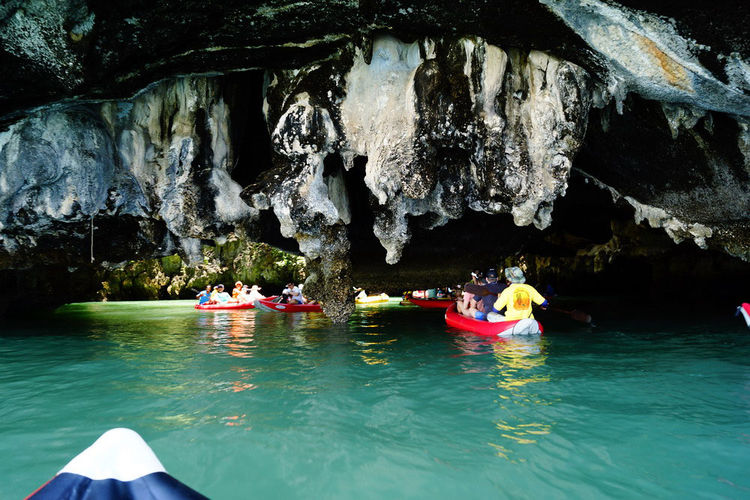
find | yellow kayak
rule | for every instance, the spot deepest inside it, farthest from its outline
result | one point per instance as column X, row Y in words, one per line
column 372, row 299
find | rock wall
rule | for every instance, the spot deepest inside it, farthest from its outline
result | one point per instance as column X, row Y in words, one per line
column 445, row 126
column 161, row 162
column 414, row 114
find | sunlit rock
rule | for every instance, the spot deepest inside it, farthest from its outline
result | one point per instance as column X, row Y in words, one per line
column 398, row 118
column 647, row 54
column 445, row 125
column 162, row 158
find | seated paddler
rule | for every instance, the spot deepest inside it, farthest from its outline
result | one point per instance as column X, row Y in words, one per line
column 517, row 299
column 204, row 296
column 222, row 296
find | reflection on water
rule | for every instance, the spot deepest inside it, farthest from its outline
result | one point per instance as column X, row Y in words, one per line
column 517, row 369
column 392, row 404
column 230, row 332
column 374, row 349
column 373, row 352
column 519, row 361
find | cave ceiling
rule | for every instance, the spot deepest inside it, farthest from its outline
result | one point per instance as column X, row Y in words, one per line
column 134, row 129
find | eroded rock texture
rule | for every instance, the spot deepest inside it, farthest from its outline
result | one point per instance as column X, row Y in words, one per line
column 153, row 172
column 445, row 126
column 383, row 118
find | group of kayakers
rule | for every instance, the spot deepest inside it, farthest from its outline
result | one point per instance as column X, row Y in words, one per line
column 486, row 297
column 433, row 293
column 240, row 294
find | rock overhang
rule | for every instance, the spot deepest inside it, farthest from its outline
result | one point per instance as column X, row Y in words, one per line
column 455, row 115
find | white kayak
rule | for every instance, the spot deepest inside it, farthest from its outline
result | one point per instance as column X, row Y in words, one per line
column 119, row 465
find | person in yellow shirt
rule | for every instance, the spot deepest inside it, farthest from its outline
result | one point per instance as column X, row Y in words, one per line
column 516, row 299
column 214, row 297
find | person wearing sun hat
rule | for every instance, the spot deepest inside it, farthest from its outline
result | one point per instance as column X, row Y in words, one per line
column 237, row 290
column 252, row 294
column 516, row 299
column 221, row 295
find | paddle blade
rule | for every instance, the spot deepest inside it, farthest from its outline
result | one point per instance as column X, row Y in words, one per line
column 580, row 316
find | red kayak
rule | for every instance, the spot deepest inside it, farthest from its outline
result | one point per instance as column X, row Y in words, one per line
column 528, row 326
column 225, row 305
column 432, row 303
column 744, row 309
column 288, row 308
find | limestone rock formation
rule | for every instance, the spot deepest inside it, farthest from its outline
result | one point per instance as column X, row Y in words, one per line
column 383, row 119
column 156, row 167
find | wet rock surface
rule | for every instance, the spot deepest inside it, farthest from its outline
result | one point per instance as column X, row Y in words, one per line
column 372, row 131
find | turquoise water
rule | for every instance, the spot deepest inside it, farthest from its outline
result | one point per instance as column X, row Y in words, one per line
column 393, row 405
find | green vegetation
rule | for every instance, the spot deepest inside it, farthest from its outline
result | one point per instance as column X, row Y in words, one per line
column 170, row 277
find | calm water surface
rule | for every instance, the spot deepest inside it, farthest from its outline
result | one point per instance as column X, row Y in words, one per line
column 395, row 404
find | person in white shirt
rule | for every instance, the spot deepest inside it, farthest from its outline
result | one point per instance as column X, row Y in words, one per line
column 251, row 294
column 293, row 294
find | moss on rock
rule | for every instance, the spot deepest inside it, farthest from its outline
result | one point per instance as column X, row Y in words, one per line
column 170, row 277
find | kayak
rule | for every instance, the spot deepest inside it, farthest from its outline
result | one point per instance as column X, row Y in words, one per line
column 269, row 304
column 225, row 306
column 432, row 303
column 373, row 299
column 118, row 465
column 744, row 309
column 528, row 326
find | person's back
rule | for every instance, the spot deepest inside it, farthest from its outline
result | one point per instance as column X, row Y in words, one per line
column 493, row 287
column 296, row 296
column 518, row 297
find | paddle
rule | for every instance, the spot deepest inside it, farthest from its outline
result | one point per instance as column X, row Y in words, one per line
column 575, row 314
column 262, row 307
column 480, row 290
